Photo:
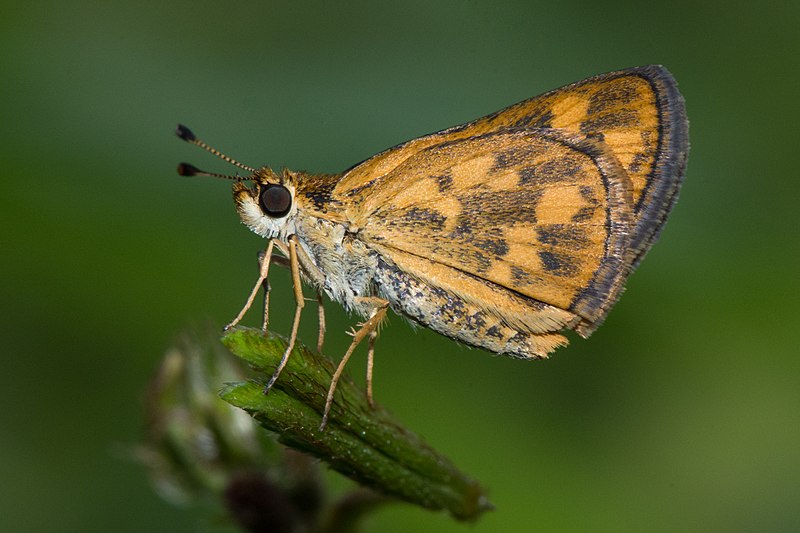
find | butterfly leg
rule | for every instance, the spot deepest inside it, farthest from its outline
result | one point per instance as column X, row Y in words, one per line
column 278, row 260
column 370, row 360
column 321, row 315
column 376, row 315
column 316, row 278
column 263, row 270
column 300, row 302
column 267, row 288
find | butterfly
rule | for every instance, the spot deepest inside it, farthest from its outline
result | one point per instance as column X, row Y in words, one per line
column 500, row 233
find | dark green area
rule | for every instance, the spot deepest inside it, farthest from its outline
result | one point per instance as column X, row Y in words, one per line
column 682, row 412
column 364, row 443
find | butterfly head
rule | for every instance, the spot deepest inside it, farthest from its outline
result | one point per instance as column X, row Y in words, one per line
column 267, row 207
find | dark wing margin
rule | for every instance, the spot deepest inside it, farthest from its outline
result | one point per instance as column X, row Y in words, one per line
column 663, row 184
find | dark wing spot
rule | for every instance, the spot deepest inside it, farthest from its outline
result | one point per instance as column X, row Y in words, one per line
column 554, row 170
column 476, row 322
column 480, row 261
column 587, row 193
column 584, row 214
column 490, row 240
column 562, row 235
column 497, row 208
column 428, row 218
column 516, row 156
column 444, row 181
column 611, row 96
column 505, row 159
column 543, row 120
column 468, row 249
column 463, row 227
column 558, row 264
column 494, row 331
column 496, row 246
column 636, row 164
column 453, row 308
column 620, row 119
column 357, row 191
column 587, row 212
column 520, row 276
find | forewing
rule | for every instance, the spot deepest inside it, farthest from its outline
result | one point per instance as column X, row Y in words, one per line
column 537, row 212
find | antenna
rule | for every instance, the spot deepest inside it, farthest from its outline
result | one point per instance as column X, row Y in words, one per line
column 186, row 134
column 186, row 169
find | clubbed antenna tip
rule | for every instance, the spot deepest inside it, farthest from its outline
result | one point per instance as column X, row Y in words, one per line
column 185, row 169
column 185, row 133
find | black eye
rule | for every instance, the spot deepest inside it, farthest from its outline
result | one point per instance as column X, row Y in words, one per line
column 275, row 200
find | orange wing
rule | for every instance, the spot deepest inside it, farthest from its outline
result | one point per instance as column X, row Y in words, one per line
column 537, row 212
column 637, row 113
column 554, row 199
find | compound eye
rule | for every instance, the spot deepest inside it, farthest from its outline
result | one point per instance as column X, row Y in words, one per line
column 275, row 200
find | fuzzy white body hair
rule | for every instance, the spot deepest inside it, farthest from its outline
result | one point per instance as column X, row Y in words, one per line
column 346, row 265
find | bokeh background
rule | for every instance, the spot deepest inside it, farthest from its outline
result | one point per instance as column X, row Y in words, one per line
column 681, row 413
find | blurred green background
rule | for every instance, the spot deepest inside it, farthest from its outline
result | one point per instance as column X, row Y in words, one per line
column 681, row 413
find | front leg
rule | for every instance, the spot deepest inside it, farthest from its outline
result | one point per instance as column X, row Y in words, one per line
column 263, row 271
column 285, row 263
column 299, row 301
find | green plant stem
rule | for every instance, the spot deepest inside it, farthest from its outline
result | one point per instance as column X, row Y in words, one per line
column 364, row 443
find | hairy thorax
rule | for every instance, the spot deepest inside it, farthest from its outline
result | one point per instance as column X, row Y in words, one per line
column 346, row 266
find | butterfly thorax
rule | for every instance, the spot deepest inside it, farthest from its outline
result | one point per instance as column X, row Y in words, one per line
column 343, row 264
column 347, row 266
